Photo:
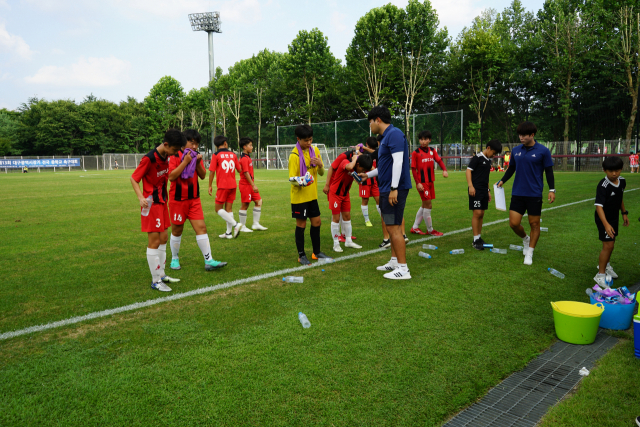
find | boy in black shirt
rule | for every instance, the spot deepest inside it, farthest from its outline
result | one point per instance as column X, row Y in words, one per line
column 479, row 193
column 608, row 202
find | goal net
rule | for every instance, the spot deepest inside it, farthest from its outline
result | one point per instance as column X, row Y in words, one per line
column 278, row 155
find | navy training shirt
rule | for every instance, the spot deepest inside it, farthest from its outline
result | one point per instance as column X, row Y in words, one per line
column 530, row 163
column 393, row 141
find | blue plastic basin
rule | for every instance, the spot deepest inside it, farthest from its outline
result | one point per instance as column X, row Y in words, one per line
column 616, row 316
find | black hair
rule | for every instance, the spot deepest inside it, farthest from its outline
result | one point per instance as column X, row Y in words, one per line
column 495, row 145
column 365, row 162
column 219, row 140
column 381, row 112
column 372, row 142
column 526, row 128
column 192, row 135
column 613, row 163
column 244, row 141
column 174, row 138
column 304, row 131
column 631, row 152
column 425, row 134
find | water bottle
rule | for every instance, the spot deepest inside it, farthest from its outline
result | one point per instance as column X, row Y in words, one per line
column 145, row 211
column 516, row 247
column 555, row 273
column 636, row 334
column 544, row 228
column 456, row 251
column 424, row 255
column 303, row 320
column 431, row 247
column 498, row 251
column 608, row 281
column 589, row 292
column 325, row 261
column 292, row 279
column 355, row 176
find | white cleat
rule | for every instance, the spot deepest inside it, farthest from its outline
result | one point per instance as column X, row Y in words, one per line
column 525, row 245
column 390, row 266
column 167, row 279
column 226, row 236
column 258, row 227
column 350, row 244
column 610, row 272
column 236, row 230
column 528, row 259
column 244, row 229
column 160, row 286
column 337, row 248
column 601, row 281
column 398, row 274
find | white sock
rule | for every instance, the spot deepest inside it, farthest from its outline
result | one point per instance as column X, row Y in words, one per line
column 346, row 227
column 154, row 264
column 162, row 255
column 530, row 253
column 403, row 267
column 242, row 216
column 379, row 211
column 228, row 217
column 203, row 243
column 418, row 220
column 256, row 215
column 175, row 246
column 427, row 219
column 608, row 265
column 524, row 240
column 394, row 260
column 341, row 225
column 335, row 232
column 476, row 237
column 365, row 212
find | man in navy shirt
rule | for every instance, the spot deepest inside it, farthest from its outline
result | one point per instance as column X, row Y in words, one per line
column 394, row 180
column 528, row 162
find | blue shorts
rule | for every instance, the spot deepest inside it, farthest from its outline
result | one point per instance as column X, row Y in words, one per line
column 393, row 215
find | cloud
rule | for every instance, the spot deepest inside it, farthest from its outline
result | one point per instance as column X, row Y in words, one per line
column 89, row 72
column 14, row 44
column 57, row 51
column 337, row 22
column 245, row 11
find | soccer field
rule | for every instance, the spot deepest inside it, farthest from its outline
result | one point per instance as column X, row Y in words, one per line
column 378, row 352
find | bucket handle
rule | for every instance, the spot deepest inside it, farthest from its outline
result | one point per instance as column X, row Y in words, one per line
column 600, row 305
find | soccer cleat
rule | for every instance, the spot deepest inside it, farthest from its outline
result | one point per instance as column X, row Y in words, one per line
column 352, row 245
column 245, row 229
column 343, row 238
column 226, row 236
column 167, row 279
column 398, row 274
column 368, row 224
column 236, row 230
column 418, row 231
column 528, row 258
column 319, row 256
column 435, row 233
column 337, row 248
column 175, row 264
column 390, row 266
column 159, row 286
column 212, row 264
column 601, row 281
column 304, row 260
column 386, row 243
column 406, row 239
column 525, row 245
column 478, row 244
column 610, row 272
column 638, row 421
column 258, row 227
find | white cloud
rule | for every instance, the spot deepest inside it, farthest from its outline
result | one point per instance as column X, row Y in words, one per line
column 246, row 11
column 89, row 72
column 14, row 44
column 338, row 22
column 57, row 51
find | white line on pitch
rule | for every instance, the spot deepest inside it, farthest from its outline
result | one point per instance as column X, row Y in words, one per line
column 200, row 291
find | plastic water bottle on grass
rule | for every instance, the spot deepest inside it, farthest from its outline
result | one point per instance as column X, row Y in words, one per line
column 303, row 320
column 293, row 279
column 145, row 211
column 424, row 255
column 498, row 251
column 555, row 273
column 456, row 251
column 544, row 228
column 516, row 247
column 430, row 247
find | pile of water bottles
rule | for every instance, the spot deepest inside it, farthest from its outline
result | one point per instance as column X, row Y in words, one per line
column 610, row 295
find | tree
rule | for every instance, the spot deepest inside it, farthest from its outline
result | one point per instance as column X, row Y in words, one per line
column 163, row 103
column 9, row 122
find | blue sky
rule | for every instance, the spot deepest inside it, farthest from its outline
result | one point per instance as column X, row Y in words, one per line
column 67, row 49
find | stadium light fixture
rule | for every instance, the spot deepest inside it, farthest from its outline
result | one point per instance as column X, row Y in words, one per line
column 209, row 22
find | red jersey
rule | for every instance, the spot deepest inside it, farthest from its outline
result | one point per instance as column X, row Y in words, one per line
column 371, row 181
column 153, row 171
column 183, row 189
column 341, row 179
column 224, row 163
column 422, row 160
column 347, row 155
column 247, row 166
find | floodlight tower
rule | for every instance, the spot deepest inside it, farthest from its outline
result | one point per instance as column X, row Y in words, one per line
column 209, row 22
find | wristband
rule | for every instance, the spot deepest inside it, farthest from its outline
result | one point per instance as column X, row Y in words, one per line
column 625, row 213
column 552, row 191
column 394, row 188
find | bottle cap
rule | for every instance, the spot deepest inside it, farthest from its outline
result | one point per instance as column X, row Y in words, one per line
column 549, row 269
column 284, row 279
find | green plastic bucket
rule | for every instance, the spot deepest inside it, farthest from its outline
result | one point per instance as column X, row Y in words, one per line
column 576, row 322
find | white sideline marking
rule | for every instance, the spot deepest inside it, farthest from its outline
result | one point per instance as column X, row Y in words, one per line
column 200, row 291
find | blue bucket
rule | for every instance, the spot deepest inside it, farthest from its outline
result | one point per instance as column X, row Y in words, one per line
column 616, row 316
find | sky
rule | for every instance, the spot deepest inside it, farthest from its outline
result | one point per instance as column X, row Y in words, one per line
column 68, row 49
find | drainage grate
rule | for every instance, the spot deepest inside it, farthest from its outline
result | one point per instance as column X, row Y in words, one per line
column 522, row 399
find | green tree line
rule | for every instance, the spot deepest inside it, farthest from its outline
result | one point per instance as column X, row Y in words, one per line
column 572, row 67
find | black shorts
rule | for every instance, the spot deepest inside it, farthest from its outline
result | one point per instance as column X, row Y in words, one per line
column 604, row 237
column 393, row 215
column 530, row 205
column 305, row 210
column 479, row 201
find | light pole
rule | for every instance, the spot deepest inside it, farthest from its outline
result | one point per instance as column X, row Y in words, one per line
column 209, row 22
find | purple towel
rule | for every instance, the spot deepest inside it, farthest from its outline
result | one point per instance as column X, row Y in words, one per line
column 303, row 165
column 190, row 169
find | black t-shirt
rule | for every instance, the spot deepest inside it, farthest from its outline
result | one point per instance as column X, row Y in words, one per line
column 609, row 196
column 374, row 155
column 481, row 168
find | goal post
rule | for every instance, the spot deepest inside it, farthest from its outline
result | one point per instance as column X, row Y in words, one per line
column 278, row 156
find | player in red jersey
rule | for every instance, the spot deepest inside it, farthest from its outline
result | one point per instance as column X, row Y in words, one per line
column 423, row 169
column 248, row 189
column 153, row 171
column 633, row 162
column 340, row 201
column 184, row 201
column 224, row 164
column 369, row 187
column 347, row 155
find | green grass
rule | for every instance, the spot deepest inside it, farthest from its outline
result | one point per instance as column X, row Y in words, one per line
column 378, row 352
